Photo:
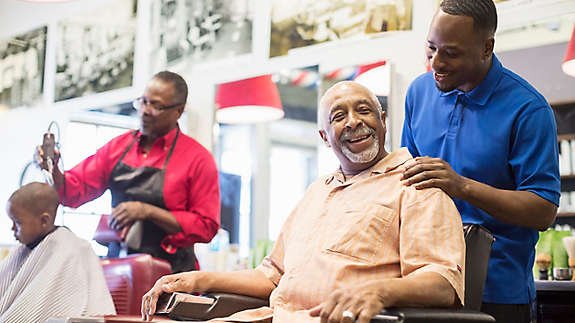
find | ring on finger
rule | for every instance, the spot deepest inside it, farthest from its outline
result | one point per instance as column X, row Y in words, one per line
column 348, row 314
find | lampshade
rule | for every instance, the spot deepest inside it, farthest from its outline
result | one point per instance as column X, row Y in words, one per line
column 375, row 77
column 569, row 61
column 256, row 99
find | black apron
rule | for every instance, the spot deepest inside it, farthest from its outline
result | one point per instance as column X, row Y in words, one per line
column 146, row 184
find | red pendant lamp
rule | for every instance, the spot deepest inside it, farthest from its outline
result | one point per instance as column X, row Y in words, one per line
column 568, row 65
column 250, row 100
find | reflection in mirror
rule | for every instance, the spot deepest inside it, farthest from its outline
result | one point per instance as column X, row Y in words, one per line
column 275, row 160
column 376, row 76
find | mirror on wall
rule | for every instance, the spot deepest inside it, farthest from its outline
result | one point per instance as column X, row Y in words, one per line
column 274, row 160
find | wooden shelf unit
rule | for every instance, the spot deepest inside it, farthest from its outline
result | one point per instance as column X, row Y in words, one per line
column 565, row 118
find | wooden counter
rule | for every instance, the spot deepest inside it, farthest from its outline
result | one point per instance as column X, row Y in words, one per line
column 555, row 301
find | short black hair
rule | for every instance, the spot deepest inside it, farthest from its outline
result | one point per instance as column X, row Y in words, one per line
column 180, row 85
column 483, row 12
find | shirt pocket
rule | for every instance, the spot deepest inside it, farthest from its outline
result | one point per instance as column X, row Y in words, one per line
column 365, row 235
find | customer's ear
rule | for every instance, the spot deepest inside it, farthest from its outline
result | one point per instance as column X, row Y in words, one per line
column 45, row 219
column 323, row 136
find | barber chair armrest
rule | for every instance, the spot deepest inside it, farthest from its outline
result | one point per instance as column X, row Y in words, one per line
column 224, row 305
column 431, row 315
column 227, row 304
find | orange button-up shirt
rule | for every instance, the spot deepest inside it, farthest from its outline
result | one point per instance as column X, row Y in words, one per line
column 348, row 231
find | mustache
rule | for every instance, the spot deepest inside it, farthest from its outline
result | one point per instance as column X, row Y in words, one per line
column 358, row 132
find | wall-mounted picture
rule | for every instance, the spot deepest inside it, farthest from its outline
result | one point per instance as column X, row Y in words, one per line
column 196, row 31
column 388, row 15
column 22, row 69
column 95, row 50
column 307, row 22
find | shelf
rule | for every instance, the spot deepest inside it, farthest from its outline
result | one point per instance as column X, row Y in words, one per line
column 567, row 183
column 565, row 214
column 562, row 104
column 567, row 136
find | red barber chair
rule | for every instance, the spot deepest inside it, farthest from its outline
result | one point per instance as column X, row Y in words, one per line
column 129, row 278
column 478, row 248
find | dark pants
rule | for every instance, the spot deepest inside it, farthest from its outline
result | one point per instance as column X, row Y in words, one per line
column 508, row 313
column 183, row 260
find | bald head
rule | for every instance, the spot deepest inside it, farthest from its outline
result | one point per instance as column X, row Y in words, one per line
column 37, row 198
column 352, row 124
column 338, row 90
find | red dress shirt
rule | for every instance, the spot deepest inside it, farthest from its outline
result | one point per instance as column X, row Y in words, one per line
column 191, row 191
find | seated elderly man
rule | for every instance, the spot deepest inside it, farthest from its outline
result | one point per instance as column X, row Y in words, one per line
column 51, row 272
column 358, row 241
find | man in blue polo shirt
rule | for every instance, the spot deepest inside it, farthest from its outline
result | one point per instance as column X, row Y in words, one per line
column 488, row 139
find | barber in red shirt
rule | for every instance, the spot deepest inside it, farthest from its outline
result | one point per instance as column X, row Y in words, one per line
column 156, row 174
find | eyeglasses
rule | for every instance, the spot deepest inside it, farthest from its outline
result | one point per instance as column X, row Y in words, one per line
column 140, row 102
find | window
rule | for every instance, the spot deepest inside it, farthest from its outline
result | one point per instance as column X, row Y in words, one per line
column 292, row 169
column 81, row 141
column 234, row 157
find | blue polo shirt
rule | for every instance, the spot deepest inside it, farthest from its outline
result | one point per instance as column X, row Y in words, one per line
column 502, row 133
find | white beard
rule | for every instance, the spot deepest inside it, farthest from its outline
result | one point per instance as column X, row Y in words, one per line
column 365, row 156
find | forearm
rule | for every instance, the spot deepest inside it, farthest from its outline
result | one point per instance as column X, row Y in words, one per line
column 249, row 282
column 428, row 289
column 522, row 208
column 162, row 218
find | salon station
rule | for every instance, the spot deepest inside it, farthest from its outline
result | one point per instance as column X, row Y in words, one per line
column 287, row 161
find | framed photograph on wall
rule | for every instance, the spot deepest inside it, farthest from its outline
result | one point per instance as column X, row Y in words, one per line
column 301, row 23
column 22, row 68
column 95, row 50
column 383, row 16
column 191, row 32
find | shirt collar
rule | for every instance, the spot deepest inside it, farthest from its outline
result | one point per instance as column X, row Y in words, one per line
column 481, row 93
column 386, row 164
column 165, row 140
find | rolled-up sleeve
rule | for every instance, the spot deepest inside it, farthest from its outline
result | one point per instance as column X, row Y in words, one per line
column 89, row 179
column 431, row 237
column 272, row 265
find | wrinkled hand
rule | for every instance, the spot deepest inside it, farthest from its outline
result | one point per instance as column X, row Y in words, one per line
column 364, row 301
column 427, row 172
column 127, row 213
column 182, row 282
